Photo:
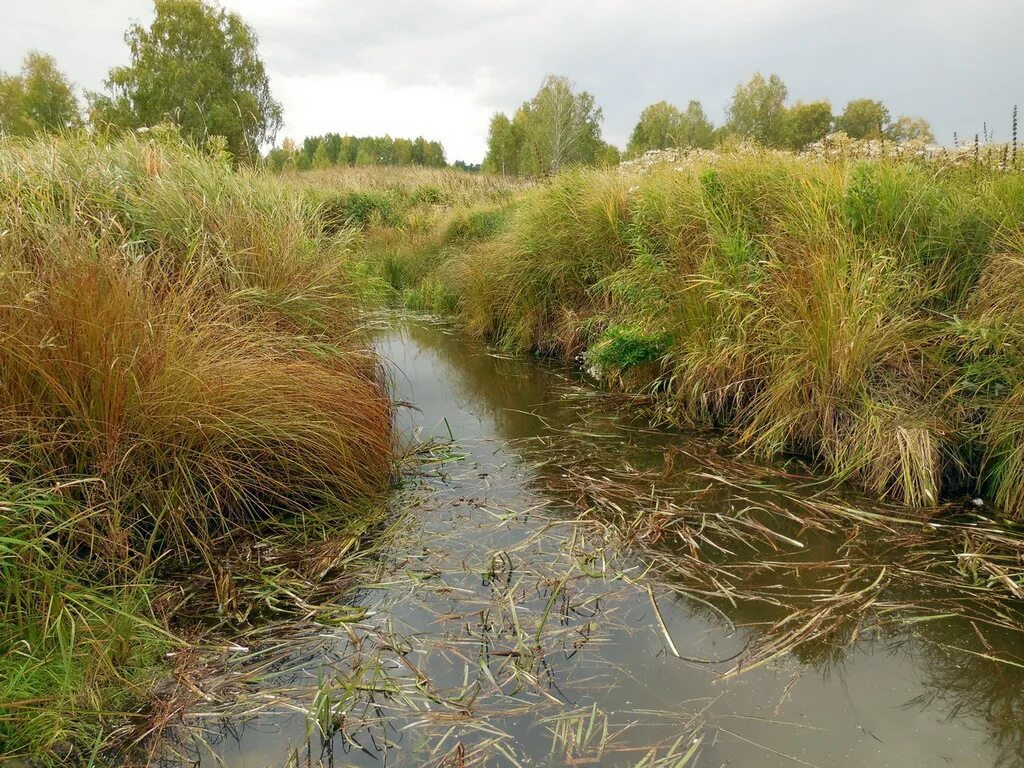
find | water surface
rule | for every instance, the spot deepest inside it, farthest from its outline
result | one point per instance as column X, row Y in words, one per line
column 514, row 620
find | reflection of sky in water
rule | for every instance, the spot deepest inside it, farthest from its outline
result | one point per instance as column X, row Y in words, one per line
column 445, row 633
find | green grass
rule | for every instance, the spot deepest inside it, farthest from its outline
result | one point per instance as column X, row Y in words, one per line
column 80, row 644
column 866, row 314
column 181, row 358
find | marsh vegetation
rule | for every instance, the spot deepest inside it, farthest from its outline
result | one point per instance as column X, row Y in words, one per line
column 340, row 456
column 180, row 369
column 857, row 312
column 210, row 520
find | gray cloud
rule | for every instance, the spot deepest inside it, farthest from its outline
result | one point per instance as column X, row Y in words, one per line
column 956, row 64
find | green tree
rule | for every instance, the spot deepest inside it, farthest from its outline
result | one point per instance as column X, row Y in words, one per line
column 335, row 149
column 277, row 158
column 562, row 126
column 309, row 147
column 321, row 158
column 662, row 125
column 527, row 162
column 696, row 130
column 402, row 153
column 49, row 100
column 13, row 120
column 607, row 155
column 807, row 122
column 287, row 157
column 434, row 156
column 503, row 146
column 908, row 128
column 291, row 153
column 333, row 142
column 349, row 150
column 38, row 99
column 758, row 110
column 365, row 155
column 419, row 150
column 864, row 119
column 384, row 149
column 657, row 128
column 197, row 66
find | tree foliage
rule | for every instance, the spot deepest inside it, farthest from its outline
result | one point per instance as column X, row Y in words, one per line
column 560, row 126
column 503, row 146
column 662, row 126
column 564, row 125
column 336, row 149
column 864, row 119
column 37, row 99
column 907, row 128
column 758, row 110
column 807, row 122
column 607, row 155
column 320, row 157
column 196, row 66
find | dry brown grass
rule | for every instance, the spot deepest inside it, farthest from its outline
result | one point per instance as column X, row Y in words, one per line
column 181, row 338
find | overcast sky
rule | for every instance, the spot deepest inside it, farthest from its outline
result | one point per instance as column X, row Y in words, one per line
column 440, row 69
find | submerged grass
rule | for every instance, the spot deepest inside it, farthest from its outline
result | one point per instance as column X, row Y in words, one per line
column 865, row 313
column 505, row 626
column 181, row 366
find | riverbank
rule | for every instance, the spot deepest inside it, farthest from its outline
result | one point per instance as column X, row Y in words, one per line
column 182, row 375
column 200, row 445
column 864, row 314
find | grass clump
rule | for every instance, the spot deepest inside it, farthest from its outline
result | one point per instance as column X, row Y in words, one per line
column 338, row 210
column 476, row 225
column 622, row 348
column 180, row 355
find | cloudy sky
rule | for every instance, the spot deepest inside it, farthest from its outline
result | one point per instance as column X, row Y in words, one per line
column 441, row 69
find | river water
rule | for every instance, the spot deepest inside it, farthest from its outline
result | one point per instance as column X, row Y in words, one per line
column 528, row 612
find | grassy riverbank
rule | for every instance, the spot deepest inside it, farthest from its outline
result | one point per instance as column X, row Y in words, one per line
column 181, row 370
column 864, row 313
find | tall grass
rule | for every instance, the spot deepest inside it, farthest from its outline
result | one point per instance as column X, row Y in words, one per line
column 414, row 185
column 79, row 644
column 180, row 355
column 865, row 313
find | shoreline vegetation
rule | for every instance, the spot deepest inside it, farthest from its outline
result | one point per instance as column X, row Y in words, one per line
column 182, row 375
column 196, row 436
column 858, row 309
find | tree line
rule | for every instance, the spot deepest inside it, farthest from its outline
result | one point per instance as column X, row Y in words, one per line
column 335, row 149
column 195, row 66
column 561, row 125
column 758, row 111
column 39, row 98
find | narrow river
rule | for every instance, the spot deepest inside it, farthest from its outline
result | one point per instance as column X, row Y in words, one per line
column 527, row 611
